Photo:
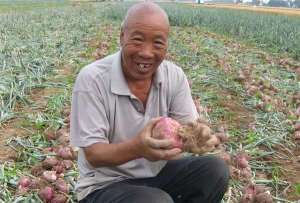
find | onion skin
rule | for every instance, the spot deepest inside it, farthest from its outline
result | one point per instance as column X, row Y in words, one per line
column 297, row 135
column 46, row 194
column 68, row 164
column 297, row 126
column 263, row 198
column 49, row 163
column 168, row 128
column 241, row 160
column 24, row 181
column 62, row 186
column 59, row 198
column 65, row 153
column 255, row 194
column 50, row 176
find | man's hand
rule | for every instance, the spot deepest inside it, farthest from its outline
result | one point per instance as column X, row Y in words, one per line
column 154, row 149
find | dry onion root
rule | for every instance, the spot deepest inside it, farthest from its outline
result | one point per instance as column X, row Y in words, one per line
column 190, row 137
column 194, row 136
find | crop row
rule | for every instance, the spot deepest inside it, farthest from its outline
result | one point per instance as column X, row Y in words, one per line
column 35, row 43
column 278, row 32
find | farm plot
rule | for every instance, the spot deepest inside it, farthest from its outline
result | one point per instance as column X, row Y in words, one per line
column 252, row 94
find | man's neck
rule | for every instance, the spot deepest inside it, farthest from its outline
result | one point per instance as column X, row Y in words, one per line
column 140, row 89
column 139, row 84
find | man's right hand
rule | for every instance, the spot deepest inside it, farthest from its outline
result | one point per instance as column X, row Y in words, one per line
column 141, row 146
column 154, row 149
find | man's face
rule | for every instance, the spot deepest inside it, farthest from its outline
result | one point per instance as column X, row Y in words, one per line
column 144, row 45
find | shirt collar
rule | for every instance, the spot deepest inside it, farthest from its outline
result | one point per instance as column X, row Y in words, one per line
column 118, row 82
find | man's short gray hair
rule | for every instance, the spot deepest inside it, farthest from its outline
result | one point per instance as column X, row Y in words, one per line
column 146, row 7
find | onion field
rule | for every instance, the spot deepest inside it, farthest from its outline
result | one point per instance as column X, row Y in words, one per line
column 243, row 68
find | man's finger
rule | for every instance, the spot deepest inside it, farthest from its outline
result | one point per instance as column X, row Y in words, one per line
column 168, row 154
column 171, row 153
column 152, row 123
column 158, row 143
column 178, row 156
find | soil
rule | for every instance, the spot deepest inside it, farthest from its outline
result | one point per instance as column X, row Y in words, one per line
column 13, row 127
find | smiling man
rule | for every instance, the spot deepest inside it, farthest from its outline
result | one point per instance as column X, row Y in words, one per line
column 117, row 102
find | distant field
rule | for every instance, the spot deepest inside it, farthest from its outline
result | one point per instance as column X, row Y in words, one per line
column 281, row 33
column 18, row 6
column 264, row 9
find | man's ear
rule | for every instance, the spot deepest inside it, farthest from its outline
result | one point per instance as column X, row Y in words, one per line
column 122, row 37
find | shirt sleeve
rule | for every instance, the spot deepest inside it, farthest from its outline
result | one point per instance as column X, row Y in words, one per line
column 182, row 107
column 89, row 123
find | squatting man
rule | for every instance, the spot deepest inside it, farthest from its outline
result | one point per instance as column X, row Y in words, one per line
column 116, row 103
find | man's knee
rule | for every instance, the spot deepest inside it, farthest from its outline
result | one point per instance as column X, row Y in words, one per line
column 218, row 170
column 213, row 167
column 152, row 195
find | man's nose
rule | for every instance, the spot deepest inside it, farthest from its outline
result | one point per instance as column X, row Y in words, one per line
column 146, row 51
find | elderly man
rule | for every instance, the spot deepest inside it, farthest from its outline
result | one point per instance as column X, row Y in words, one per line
column 116, row 103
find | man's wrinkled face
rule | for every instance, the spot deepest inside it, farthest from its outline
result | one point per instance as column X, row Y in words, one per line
column 144, row 44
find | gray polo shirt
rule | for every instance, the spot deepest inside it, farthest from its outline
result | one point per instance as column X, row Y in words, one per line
column 104, row 110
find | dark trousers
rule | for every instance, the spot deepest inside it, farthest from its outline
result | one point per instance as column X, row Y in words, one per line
column 201, row 179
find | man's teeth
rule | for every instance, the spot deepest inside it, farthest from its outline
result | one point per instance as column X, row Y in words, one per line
column 141, row 65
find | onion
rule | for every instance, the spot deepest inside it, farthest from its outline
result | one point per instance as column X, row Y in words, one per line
column 24, row 181
column 50, row 135
column 297, row 126
column 50, row 176
column 297, row 135
column 65, row 153
column 68, row 164
column 263, row 198
column 167, row 128
column 22, row 190
column 242, row 159
column 59, row 198
column 46, row 194
column 37, row 170
column 246, row 173
column 49, row 162
column 59, row 168
column 298, row 111
column 62, row 186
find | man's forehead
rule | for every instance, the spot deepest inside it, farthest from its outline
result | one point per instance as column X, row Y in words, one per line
column 142, row 12
column 153, row 29
column 145, row 7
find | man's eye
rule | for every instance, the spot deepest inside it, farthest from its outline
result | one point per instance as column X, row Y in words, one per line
column 137, row 39
column 159, row 44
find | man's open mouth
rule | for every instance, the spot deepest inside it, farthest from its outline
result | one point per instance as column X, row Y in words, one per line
column 144, row 67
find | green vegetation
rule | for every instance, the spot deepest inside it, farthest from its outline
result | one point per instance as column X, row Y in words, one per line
column 29, row 5
column 32, row 46
column 278, row 32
